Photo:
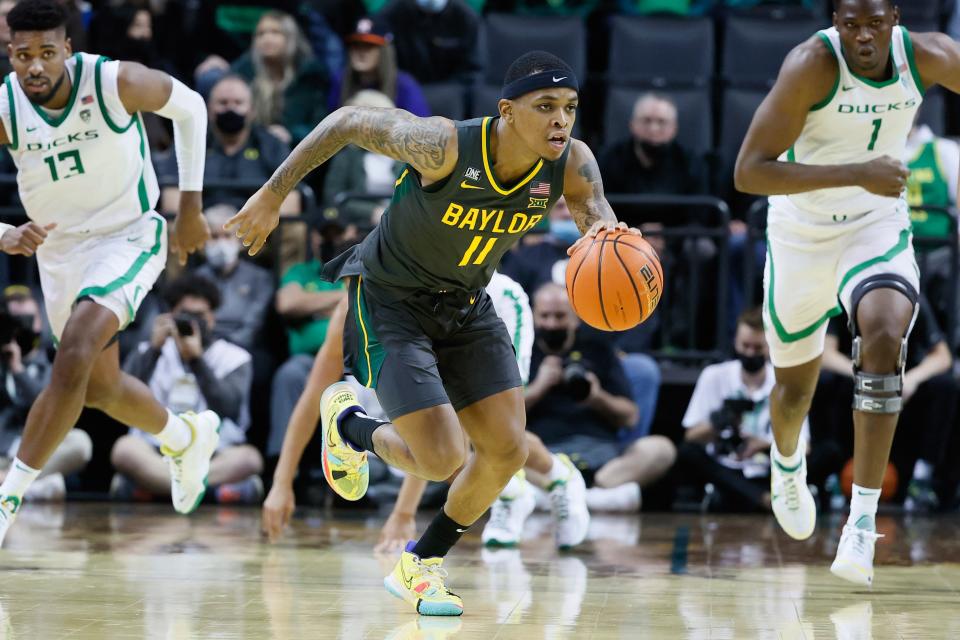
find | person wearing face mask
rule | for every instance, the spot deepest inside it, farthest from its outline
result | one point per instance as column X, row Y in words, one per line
column 435, row 40
column 727, row 423
column 24, row 372
column 246, row 290
column 578, row 400
column 237, row 149
column 651, row 160
column 187, row 367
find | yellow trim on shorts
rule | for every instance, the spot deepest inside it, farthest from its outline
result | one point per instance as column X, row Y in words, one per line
column 366, row 338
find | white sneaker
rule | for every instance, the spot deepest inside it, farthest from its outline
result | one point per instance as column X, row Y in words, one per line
column 624, row 498
column 792, row 502
column 9, row 506
column 507, row 515
column 568, row 501
column 189, row 468
column 854, row 561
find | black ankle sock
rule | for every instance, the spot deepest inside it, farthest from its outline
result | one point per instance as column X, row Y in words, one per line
column 357, row 429
column 439, row 537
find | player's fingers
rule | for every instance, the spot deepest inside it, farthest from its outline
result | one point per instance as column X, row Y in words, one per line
column 37, row 230
column 235, row 221
column 258, row 244
column 32, row 235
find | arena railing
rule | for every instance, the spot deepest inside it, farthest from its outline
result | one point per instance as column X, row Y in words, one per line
column 937, row 257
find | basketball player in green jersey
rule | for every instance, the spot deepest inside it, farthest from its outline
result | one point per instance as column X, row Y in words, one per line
column 827, row 145
column 421, row 329
column 72, row 126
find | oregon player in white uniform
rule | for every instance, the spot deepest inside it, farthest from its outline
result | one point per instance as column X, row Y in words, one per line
column 72, row 124
column 826, row 143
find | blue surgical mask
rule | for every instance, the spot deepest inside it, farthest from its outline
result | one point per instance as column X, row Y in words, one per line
column 565, row 231
column 434, row 6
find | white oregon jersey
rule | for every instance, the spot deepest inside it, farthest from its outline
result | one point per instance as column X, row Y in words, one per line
column 513, row 306
column 860, row 121
column 86, row 168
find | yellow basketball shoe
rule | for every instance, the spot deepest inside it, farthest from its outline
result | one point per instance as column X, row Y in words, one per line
column 420, row 582
column 344, row 467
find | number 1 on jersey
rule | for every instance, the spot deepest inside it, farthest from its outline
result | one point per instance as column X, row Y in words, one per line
column 473, row 247
column 876, row 132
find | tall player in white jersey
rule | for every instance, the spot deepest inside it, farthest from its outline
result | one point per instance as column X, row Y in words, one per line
column 72, row 124
column 827, row 144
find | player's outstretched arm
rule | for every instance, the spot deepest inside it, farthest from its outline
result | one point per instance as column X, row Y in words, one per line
column 938, row 60
column 401, row 526
column 327, row 369
column 145, row 89
column 583, row 191
column 429, row 145
column 807, row 78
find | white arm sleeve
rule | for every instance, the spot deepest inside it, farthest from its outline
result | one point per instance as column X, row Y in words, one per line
column 189, row 114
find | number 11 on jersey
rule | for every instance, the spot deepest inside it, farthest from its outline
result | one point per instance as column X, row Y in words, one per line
column 473, row 247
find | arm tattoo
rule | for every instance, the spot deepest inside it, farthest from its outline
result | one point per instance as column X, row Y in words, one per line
column 421, row 142
column 594, row 207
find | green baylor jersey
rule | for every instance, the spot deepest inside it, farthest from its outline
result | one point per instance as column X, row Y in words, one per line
column 451, row 235
column 927, row 185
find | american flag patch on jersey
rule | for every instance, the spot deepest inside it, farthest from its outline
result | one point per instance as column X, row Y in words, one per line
column 86, row 99
column 540, row 188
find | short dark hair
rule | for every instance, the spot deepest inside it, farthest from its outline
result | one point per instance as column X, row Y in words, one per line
column 192, row 285
column 752, row 318
column 836, row 4
column 534, row 62
column 37, row 15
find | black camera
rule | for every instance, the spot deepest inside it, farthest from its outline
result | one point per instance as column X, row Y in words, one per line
column 575, row 382
column 19, row 328
column 726, row 422
column 184, row 322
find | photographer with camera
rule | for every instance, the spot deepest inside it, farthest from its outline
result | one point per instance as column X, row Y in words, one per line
column 189, row 370
column 727, row 424
column 24, row 372
column 577, row 401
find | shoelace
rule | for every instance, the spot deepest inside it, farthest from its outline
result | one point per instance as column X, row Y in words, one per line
column 793, row 494
column 434, row 573
column 560, row 504
column 500, row 517
column 859, row 538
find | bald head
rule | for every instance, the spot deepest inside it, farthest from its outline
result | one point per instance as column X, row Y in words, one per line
column 552, row 308
column 654, row 119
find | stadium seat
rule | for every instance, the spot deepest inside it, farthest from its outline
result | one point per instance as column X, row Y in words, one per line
column 695, row 119
column 739, row 105
column 754, row 48
column 933, row 111
column 507, row 36
column 920, row 25
column 660, row 52
column 446, row 99
column 920, row 9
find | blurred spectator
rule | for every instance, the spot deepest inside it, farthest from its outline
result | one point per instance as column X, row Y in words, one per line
column 5, row 6
column 651, row 160
column 288, row 82
column 728, row 431
column 226, row 29
column 237, row 150
column 929, row 395
column 577, row 401
column 305, row 301
column 934, row 170
column 435, row 40
column 358, row 170
column 25, row 371
column 533, row 264
column 189, row 370
column 76, row 29
column 372, row 64
column 246, row 290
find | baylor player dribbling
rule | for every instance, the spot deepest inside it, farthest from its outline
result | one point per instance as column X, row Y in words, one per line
column 828, row 143
column 73, row 127
column 421, row 328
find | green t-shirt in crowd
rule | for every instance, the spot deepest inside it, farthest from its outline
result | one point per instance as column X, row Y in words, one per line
column 306, row 335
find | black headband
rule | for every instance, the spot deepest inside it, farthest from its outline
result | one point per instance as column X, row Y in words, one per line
column 542, row 80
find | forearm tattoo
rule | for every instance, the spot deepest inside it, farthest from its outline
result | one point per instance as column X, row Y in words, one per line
column 594, row 207
column 421, row 142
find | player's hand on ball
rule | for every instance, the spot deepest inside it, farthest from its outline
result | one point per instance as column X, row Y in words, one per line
column 24, row 240
column 257, row 220
column 277, row 511
column 598, row 226
column 884, row 176
column 190, row 230
column 397, row 530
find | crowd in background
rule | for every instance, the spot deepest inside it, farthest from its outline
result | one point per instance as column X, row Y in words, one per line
column 692, row 384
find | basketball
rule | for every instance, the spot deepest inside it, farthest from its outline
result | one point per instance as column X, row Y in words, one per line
column 887, row 490
column 614, row 282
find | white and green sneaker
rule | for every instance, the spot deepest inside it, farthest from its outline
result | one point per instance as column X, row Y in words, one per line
column 189, row 468
column 793, row 504
column 854, row 561
column 568, row 505
column 9, row 506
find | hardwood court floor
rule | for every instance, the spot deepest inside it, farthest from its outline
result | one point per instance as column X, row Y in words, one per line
column 101, row 571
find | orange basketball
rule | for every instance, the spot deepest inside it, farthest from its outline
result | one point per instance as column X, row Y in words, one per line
column 888, row 488
column 615, row 281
